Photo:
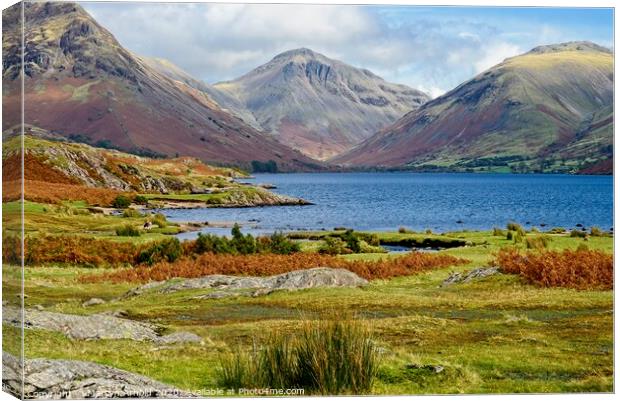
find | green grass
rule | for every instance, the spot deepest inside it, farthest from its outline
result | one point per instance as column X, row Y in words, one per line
column 75, row 218
column 493, row 335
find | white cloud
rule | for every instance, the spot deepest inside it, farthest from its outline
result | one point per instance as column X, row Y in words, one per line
column 496, row 53
column 216, row 42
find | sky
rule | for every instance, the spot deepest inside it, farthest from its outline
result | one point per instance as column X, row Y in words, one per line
column 429, row 48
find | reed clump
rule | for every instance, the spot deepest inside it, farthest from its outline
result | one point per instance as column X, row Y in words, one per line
column 327, row 357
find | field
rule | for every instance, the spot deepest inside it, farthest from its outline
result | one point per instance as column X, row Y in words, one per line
column 497, row 334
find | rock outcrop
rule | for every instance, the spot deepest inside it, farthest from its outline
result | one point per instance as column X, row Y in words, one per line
column 466, row 277
column 93, row 327
column 228, row 286
column 55, row 379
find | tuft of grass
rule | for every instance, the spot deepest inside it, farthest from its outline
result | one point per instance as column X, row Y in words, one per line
column 498, row 232
column 540, row 242
column 127, row 231
column 328, row 357
column 131, row 213
column 578, row 234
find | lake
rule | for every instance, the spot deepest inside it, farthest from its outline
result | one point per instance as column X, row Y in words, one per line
column 419, row 201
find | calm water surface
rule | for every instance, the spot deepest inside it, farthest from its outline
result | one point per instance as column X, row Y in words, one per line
column 441, row 202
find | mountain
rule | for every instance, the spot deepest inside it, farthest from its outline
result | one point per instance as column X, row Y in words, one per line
column 318, row 105
column 550, row 109
column 224, row 100
column 81, row 83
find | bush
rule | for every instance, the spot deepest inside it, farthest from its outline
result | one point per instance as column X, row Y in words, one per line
column 578, row 234
column 334, row 246
column 353, row 242
column 557, row 230
column 74, row 250
column 243, row 244
column 167, row 250
column 510, row 235
column 278, row 243
column 141, row 200
column 403, row 230
column 579, row 269
column 121, row 202
column 127, row 231
column 271, row 264
column 336, row 356
column 132, row 213
column 596, row 232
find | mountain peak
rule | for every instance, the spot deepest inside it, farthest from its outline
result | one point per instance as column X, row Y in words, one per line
column 319, row 105
column 585, row 46
column 302, row 51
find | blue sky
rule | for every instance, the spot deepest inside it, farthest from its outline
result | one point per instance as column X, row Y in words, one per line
column 431, row 48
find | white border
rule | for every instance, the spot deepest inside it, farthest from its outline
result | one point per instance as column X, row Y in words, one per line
column 504, row 3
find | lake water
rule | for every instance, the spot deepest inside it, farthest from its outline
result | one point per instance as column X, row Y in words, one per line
column 441, row 202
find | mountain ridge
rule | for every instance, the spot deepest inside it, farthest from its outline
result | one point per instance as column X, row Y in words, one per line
column 318, row 105
column 529, row 107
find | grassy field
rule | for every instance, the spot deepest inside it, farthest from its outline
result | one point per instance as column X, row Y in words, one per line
column 496, row 334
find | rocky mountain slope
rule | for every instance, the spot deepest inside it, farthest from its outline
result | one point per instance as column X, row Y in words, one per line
column 224, row 100
column 318, row 105
column 550, row 109
column 57, row 169
column 80, row 81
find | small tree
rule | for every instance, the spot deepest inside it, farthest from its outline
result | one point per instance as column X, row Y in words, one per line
column 121, row 202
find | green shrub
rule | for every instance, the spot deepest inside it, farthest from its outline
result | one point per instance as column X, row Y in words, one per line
column 353, row 242
column 332, row 357
column 244, row 244
column 510, row 235
column 167, row 250
column 403, row 230
column 206, row 243
column 280, row 244
column 578, row 234
column 334, row 246
column 121, row 202
column 127, row 231
column 557, row 230
column 141, row 200
column 132, row 213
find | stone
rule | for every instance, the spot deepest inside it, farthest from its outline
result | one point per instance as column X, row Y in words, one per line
column 466, row 277
column 229, row 286
column 91, row 327
column 180, row 337
column 430, row 368
column 93, row 302
column 55, row 378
